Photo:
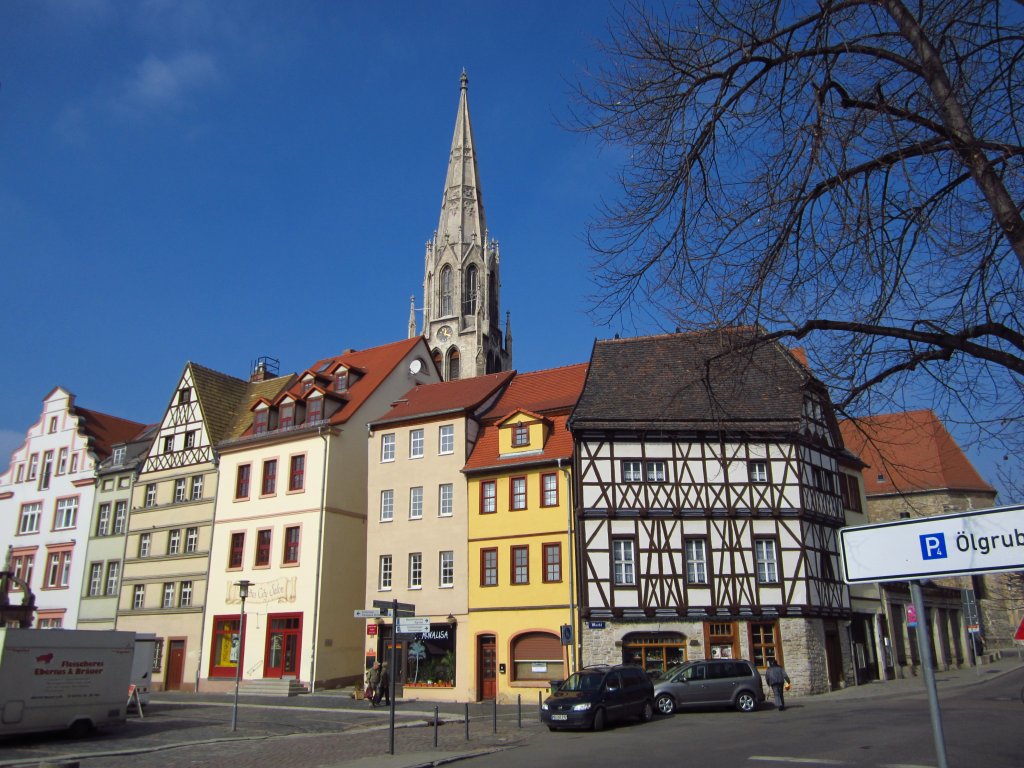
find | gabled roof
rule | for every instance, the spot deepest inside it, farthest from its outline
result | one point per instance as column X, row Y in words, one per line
column 106, row 431
column 706, row 380
column 136, row 450
column 459, row 396
column 549, row 394
column 539, row 391
column 255, row 391
column 219, row 396
column 913, row 452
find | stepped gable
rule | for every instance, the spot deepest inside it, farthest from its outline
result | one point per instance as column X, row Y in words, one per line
column 445, row 397
column 219, row 395
column 716, row 379
column 912, row 451
column 106, row 431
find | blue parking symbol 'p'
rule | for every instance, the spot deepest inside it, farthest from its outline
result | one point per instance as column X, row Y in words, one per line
column 933, row 546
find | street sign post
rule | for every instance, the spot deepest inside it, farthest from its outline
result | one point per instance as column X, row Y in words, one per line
column 401, row 609
column 978, row 541
column 415, row 625
column 371, row 613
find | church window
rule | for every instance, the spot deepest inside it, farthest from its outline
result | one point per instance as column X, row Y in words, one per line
column 453, row 364
column 469, row 291
column 446, row 291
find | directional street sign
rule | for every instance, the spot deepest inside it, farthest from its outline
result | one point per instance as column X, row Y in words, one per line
column 978, row 541
column 413, row 624
column 371, row 613
column 404, row 609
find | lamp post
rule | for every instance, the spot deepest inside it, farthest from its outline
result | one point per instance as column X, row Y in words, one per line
column 243, row 592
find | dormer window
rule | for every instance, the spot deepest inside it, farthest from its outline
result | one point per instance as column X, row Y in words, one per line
column 314, row 410
column 286, row 416
column 341, row 382
column 119, row 455
column 520, row 435
column 307, row 384
column 259, row 421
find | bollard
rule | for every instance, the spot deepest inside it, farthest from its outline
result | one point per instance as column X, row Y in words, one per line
column 435, row 727
column 494, row 717
column 519, row 709
column 467, row 722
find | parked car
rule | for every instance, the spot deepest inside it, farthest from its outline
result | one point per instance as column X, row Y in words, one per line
column 595, row 696
column 709, row 683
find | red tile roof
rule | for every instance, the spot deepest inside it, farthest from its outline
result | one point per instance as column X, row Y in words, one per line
column 106, row 431
column 552, row 393
column 912, row 451
column 445, row 397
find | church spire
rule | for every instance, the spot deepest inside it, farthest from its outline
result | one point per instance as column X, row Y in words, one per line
column 462, row 210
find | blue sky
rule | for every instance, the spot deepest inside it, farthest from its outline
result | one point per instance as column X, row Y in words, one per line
column 215, row 181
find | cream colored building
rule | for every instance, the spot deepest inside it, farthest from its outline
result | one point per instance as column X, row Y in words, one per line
column 291, row 520
column 416, row 549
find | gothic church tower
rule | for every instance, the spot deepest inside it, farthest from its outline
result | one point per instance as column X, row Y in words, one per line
column 461, row 282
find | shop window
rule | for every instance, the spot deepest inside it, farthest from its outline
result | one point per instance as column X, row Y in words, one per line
column 721, row 639
column 226, row 642
column 429, row 659
column 764, row 643
column 655, row 651
column 537, row 656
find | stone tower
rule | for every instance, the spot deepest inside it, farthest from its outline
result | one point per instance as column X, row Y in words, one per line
column 461, row 281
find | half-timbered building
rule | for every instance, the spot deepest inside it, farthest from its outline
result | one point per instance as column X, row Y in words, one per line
column 708, row 507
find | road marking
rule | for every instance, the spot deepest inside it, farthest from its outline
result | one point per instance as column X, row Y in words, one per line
column 904, row 765
column 806, row 760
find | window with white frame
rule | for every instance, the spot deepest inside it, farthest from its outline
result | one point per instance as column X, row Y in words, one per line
column 179, row 489
column 95, row 579
column 384, row 573
column 62, row 461
column 623, row 569
column 520, row 435
column 174, row 542
column 517, row 493
column 169, row 591
column 549, row 489
column 139, row 597
column 488, row 497
column 150, row 495
column 656, row 472
column 145, row 542
column 67, row 513
column 120, row 517
column 191, row 539
column 387, row 505
column 416, row 444
column 444, row 502
column 185, row 594
column 190, row 438
column 415, row 503
column 118, row 457
column 447, row 571
column 113, row 577
column 30, row 515
column 446, row 438
column 33, row 466
column 103, row 520
column 765, row 559
column 696, row 562
column 74, row 462
column 387, row 447
column 196, row 491
column 58, row 570
column 44, row 479
column 758, row 471
column 632, row 472
column 415, row 570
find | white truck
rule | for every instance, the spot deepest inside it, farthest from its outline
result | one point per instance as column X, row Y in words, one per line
column 54, row 679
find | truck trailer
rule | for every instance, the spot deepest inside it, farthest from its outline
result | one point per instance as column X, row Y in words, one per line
column 54, row 679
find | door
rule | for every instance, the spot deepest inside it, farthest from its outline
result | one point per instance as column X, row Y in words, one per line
column 282, row 654
column 833, row 655
column 175, row 666
column 487, row 666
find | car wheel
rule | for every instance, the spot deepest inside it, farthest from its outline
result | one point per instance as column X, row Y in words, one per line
column 746, row 702
column 666, row 704
column 647, row 713
column 599, row 721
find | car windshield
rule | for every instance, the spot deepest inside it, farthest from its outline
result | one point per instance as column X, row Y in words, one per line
column 583, row 681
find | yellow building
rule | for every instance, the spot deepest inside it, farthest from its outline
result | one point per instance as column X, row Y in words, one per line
column 520, row 553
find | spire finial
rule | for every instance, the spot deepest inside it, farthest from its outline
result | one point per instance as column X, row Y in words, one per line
column 464, row 79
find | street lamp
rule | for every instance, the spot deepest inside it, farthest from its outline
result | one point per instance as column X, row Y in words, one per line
column 243, row 592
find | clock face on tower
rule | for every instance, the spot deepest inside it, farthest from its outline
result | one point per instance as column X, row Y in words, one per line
column 444, row 333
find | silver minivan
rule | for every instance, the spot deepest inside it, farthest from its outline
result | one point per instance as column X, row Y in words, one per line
column 709, row 683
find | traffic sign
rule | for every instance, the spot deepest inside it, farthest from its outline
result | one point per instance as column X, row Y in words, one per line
column 413, row 624
column 978, row 541
column 371, row 613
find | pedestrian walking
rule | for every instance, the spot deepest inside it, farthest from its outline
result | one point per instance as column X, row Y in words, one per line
column 778, row 680
column 373, row 684
column 383, row 687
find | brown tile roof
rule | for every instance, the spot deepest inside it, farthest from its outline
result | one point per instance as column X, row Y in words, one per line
column 255, row 390
column 106, row 431
column 692, row 381
column 219, row 396
column 457, row 396
column 540, row 391
column 912, row 451
column 550, row 393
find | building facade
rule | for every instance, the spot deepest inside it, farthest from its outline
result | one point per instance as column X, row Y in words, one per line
column 708, row 508
column 520, row 548
column 416, row 541
column 291, row 520
column 462, row 280
column 46, row 502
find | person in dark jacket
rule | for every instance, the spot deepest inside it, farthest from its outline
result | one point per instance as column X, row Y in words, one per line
column 778, row 680
column 383, row 687
column 373, row 684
